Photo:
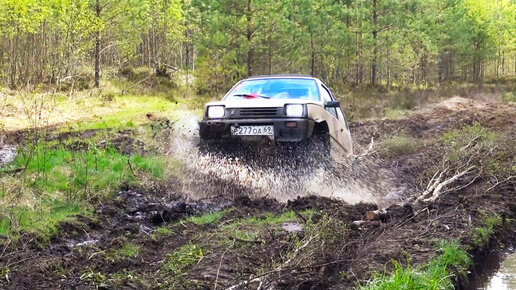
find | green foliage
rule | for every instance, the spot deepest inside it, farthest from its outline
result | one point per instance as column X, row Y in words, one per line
column 437, row 274
column 471, row 137
column 482, row 234
column 182, row 258
column 217, row 42
column 399, row 145
column 271, row 218
column 509, row 97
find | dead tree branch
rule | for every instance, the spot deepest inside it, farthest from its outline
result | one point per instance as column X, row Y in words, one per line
column 436, row 186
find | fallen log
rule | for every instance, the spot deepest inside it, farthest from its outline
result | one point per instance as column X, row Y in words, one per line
column 376, row 215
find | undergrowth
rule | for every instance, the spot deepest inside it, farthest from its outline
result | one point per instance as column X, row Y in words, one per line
column 483, row 233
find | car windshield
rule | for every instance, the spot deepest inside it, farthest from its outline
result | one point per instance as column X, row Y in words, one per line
column 276, row 88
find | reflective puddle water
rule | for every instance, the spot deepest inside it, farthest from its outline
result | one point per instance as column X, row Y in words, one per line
column 505, row 277
column 497, row 272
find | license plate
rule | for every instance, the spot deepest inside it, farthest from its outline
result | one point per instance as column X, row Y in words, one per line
column 267, row 130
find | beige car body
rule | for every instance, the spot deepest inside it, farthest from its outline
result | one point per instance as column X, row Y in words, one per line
column 316, row 111
column 338, row 128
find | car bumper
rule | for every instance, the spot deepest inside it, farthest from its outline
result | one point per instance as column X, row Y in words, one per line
column 221, row 129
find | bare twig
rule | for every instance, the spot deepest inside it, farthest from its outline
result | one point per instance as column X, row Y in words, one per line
column 299, row 215
column 130, row 166
column 220, row 264
column 500, row 183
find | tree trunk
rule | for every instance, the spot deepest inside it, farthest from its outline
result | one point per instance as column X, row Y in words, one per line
column 375, row 44
column 98, row 9
column 249, row 35
column 187, row 50
column 269, row 52
column 313, row 54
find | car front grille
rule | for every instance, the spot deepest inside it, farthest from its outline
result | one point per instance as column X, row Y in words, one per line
column 255, row 113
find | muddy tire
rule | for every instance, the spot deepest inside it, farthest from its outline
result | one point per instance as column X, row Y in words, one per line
column 320, row 149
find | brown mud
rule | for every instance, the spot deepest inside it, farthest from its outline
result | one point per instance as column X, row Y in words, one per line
column 319, row 247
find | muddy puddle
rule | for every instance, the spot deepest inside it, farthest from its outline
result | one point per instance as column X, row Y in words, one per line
column 496, row 272
column 207, row 175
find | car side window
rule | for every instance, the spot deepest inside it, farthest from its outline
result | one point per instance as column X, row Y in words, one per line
column 326, row 96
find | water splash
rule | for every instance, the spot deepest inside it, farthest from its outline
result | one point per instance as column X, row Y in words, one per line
column 261, row 174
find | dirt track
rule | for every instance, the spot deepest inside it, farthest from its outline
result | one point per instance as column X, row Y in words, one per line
column 329, row 250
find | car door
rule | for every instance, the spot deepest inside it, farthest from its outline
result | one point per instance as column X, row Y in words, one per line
column 338, row 129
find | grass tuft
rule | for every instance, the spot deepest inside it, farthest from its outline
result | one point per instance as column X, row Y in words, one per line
column 182, row 258
column 207, row 218
column 439, row 273
column 399, row 145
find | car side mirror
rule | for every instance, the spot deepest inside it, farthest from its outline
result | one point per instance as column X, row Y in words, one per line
column 332, row 104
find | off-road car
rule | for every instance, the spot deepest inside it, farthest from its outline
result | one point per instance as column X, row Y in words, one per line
column 280, row 109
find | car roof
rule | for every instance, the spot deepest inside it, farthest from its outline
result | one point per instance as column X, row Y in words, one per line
column 281, row 76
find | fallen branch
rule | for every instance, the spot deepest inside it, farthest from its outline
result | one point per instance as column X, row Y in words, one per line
column 500, row 183
column 434, row 191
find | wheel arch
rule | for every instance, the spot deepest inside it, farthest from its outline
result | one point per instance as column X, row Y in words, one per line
column 320, row 127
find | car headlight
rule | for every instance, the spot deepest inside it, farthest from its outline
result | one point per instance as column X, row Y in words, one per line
column 295, row 110
column 215, row 112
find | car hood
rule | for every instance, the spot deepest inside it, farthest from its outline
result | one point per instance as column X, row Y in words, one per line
column 260, row 103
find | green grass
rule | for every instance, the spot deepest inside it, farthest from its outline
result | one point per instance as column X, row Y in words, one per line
column 207, row 218
column 399, row 145
column 182, row 258
column 439, row 273
column 271, row 218
column 163, row 231
column 394, row 113
column 253, row 227
column 57, row 183
column 130, row 250
column 127, row 111
column 43, row 219
column 52, row 169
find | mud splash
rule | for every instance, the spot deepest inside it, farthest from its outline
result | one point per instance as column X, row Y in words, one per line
column 208, row 175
